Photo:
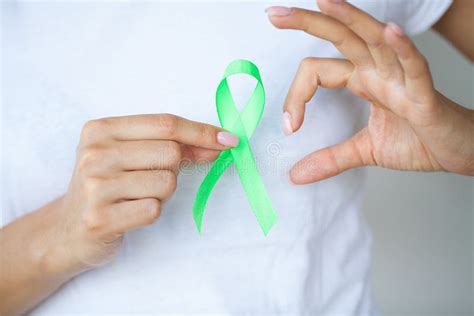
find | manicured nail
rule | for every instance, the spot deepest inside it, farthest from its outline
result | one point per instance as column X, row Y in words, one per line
column 227, row 139
column 278, row 11
column 287, row 129
column 396, row 29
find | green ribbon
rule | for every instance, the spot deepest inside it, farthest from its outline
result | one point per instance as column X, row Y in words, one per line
column 243, row 125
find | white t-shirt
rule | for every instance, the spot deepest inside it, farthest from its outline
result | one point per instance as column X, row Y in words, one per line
column 66, row 63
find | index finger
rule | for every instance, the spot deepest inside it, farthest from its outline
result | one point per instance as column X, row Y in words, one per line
column 324, row 27
column 160, row 127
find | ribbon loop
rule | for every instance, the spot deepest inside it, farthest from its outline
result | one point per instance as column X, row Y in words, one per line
column 243, row 125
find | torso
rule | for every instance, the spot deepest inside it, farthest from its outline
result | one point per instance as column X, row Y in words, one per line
column 69, row 63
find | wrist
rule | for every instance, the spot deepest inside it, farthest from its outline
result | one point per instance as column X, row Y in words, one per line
column 452, row 136
column 51, row 250
column 450, row 104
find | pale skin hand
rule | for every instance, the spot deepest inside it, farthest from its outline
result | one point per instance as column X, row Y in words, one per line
column 126, row 167
column 411, row 125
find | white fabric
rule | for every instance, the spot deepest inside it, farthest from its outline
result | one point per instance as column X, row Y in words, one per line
column 416, row 16
column 66, row 63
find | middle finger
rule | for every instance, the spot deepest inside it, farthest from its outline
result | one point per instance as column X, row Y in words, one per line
column 146, row 155
column 368, row 29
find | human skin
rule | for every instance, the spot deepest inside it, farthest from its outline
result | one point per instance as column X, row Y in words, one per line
column 411, row 125
column 125, row 168
column 119, row 172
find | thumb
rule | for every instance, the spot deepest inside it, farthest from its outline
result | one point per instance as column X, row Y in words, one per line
column 328, row 162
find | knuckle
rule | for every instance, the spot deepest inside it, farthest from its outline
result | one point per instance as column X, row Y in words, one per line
column 305, row 21
column 168, row 123
column 308, row 71
column 174, row 152
column 153, row 210
column 93, row 128
column 169, row 181
column 90, row 126
column 307, row 63
column 93, row 221
column 88, row 158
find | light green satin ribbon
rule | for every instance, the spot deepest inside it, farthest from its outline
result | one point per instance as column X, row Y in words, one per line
column 243, row 125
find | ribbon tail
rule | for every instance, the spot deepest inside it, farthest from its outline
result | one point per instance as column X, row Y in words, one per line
column 252, row 182
column 206, row 187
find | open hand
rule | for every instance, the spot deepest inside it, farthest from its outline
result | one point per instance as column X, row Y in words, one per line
column 411, row 125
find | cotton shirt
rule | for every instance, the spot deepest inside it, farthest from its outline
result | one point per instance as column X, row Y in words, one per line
column 65, row 63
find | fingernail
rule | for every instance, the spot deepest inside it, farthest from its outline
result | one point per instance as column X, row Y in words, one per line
column 227, row 139
column 337, row 1
column 287, row 129
column 396, row 29
column 278, row 11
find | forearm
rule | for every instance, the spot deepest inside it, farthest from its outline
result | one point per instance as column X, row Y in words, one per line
column 461, row 109
column 456, row 26
column 34, row 263
column 465, row 126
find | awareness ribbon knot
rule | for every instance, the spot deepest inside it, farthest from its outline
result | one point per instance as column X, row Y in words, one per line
column 243, row 125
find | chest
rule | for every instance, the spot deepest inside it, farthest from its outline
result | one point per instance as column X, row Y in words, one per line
column 71, row 62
